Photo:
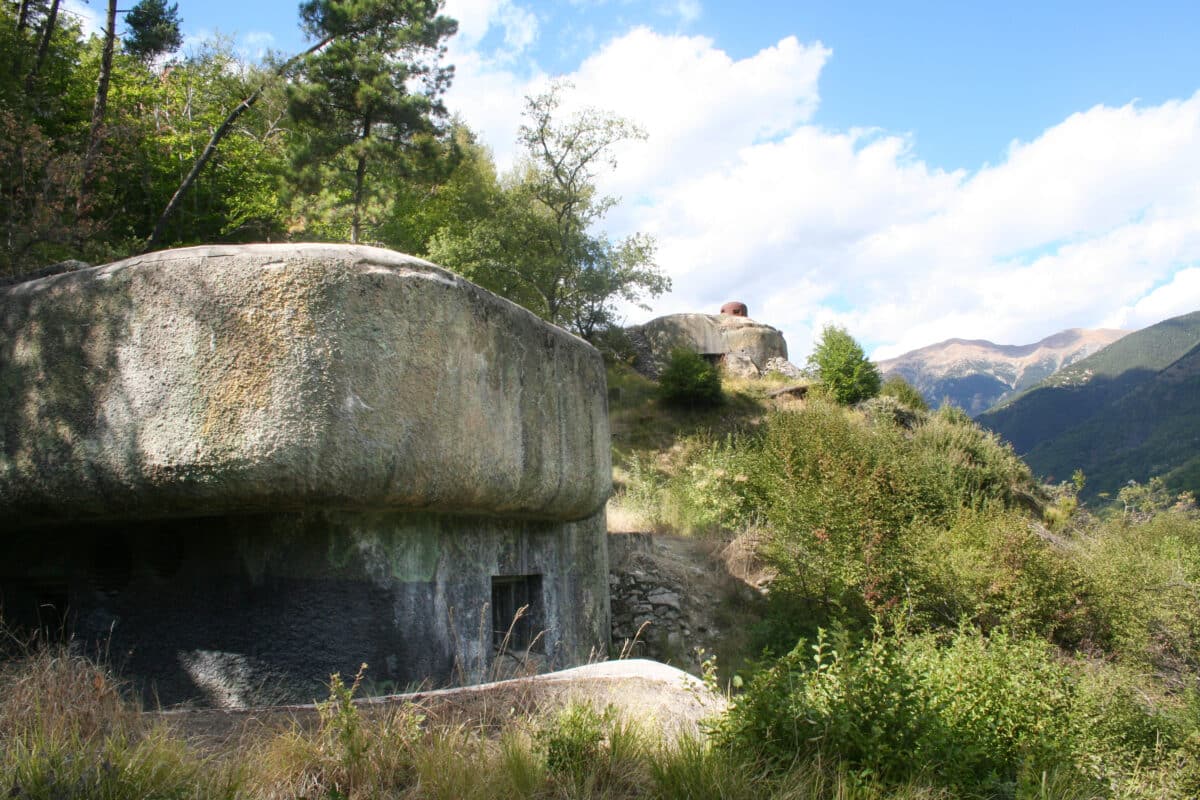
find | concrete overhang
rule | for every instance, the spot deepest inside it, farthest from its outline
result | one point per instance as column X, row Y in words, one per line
column 249, row 378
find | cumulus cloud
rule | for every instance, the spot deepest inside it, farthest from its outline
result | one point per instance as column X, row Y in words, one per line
column 1094, row 222
column 518, row 26
column 1180, row 295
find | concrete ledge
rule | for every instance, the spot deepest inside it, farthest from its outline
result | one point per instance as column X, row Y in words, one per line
column 236, row 379
column 648, row 693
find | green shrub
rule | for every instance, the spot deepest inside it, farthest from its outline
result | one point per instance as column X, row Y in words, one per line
column 689, row 380
column 992, row 568
column 977, row 714
column 615, row 345
column 574, row 740
column 903, row 391
column 890, row 411
column 846, row 373
column 1144, row 577
column 969, row 466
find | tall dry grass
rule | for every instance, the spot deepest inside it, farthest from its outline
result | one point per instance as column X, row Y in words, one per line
column 68, row 729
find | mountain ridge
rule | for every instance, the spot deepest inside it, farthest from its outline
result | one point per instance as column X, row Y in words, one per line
column 1128, row 412
column 975, row 374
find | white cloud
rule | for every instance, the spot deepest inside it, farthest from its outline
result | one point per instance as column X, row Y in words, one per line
column 688, row 11
column 1094, row 222
column 89, row 19
column 476, row 18
column 1180, row 295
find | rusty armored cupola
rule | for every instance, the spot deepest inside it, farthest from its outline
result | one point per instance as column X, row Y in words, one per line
column 735, row 308
column 244, row 468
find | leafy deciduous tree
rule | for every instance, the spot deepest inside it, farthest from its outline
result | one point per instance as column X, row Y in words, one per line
column 536, row 246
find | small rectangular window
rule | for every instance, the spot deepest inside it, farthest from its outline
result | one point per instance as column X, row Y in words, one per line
column 516, row 611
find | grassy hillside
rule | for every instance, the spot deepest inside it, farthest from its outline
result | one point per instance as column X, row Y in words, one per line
column 1109, row 413
column 936, row 617
column 937, row 626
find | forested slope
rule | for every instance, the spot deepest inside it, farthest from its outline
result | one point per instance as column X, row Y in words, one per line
column 1126, row 412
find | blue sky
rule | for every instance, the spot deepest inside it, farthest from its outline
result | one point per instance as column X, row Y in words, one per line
column 914, row 171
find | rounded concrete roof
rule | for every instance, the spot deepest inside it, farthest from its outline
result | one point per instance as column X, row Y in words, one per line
column 223, row 379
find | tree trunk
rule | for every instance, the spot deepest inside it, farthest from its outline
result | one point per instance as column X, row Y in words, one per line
column 211, row 148
column 22, row 16
column 43, row 45
column 98, row 108
column 360, row 176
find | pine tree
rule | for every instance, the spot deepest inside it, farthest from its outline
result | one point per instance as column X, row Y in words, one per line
column 356, row 100
column 153, row 29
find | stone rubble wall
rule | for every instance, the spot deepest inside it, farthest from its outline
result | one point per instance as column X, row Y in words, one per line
column 664, row 598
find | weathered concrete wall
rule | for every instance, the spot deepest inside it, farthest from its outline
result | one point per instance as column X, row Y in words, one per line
column 708, row 334
column 259, row 377
column 260, row 609
column 244, row 468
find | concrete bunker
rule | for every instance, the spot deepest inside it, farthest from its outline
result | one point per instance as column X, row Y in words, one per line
column 730, row 339
column 240, row 469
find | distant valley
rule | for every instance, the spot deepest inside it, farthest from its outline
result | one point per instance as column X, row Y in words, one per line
column 1128, row 412
column 977, row 374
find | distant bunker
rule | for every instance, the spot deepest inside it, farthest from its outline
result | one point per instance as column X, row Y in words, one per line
column 730, row 339
column 241, row 469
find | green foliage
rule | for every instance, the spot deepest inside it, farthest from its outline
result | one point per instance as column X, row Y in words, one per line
column 590, row 753
column 341, row 724
column 536, row 246
column 992, row 568
column 903, row 391
column 843, row 368
column 979, row 714
column 361, row 117
column 1145, row 573
column 153, row 29
column 969, row 465
column 574, row 740
column 690, row 380
column 840, row 496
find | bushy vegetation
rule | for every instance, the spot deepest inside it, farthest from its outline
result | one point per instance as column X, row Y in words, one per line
column 690, row 380
column 994, row 637
column 904, row 392
column 845, row 372
column 994, row 716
